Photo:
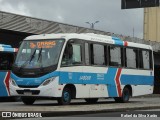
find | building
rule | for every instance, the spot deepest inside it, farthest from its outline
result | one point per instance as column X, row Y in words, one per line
column 152, row 24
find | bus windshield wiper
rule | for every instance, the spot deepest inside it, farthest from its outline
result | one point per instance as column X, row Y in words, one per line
column 40, row 54
column 30, row 59
column 32, row 56
column 40, row 59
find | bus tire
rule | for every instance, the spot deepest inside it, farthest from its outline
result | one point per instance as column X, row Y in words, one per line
column 125, row 96
column 66, row 97
column 28, row 100
column 91, row 100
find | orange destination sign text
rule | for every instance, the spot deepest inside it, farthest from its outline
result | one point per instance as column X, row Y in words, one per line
column 46, row 44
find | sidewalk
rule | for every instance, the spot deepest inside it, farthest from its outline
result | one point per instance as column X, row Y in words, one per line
column 148, row 96
column 80, row 107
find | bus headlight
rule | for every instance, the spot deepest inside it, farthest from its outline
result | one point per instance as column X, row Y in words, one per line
column 48, row 81
column 13, row 82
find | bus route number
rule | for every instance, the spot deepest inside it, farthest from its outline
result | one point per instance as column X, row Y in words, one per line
column 85, row 77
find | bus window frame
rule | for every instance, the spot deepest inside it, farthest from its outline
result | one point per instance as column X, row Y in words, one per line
column 137, row 58
column 150, row 59
column 75, row 41
column 122, row 55
column 90, row 53
column 107, row 55
column 92, row 56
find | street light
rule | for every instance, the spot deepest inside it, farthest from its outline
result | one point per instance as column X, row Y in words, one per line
column 92, row 24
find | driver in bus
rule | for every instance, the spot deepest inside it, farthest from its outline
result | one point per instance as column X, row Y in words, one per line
column 68, row 55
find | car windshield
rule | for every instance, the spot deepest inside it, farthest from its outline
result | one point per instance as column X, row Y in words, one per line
column 38, row 53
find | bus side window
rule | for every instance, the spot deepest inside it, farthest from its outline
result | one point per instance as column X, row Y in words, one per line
column 115, row 56
column 131, row 58
column 67, row 55
column 77, row 54
column 72, row 55
column 144, row 59
column 6, row 61
column 97, row 54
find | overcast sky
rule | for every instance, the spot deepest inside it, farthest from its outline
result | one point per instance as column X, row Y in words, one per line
column 77, row 12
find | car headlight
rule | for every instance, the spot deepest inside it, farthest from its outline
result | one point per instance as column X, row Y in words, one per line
column 48, row 81
column 13, row 82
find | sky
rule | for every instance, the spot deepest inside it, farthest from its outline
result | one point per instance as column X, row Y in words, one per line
column 77, row 12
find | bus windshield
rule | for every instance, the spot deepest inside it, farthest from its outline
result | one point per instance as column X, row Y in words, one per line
column 38, row 53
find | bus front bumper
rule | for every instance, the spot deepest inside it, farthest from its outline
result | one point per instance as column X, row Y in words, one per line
column 51, row 90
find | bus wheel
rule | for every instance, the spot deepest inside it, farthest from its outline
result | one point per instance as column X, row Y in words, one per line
column 125, row 96
column 28, row 100
column 91, row 100
column 66, row 97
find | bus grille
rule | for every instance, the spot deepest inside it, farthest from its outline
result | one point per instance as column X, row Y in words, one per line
column 34, row 92
column 27, row 86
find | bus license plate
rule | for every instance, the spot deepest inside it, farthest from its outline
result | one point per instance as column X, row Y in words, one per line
column 27, row 93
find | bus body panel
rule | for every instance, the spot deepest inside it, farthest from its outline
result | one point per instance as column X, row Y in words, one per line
column 4, row 72
column 51, row 90
column 90, row 81
column 4, row 83
column 142, row 90
column 90, row 84
column 110, row 78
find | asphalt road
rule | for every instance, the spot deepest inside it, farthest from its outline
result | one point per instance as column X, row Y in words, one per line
column 152, row 114
column 79, row 107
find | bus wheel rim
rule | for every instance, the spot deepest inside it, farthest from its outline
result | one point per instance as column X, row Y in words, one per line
column 66, row 96
column 126, row 96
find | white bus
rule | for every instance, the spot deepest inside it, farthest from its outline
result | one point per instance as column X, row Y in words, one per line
column 88, row 66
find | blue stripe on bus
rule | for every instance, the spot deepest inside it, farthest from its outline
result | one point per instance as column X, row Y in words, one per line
column 111, row 85
column 3, row 90
column 8, row 49
column 3, row 45
column 33, row 81
column 137, row 80
column 117, row 41
column 77, row 78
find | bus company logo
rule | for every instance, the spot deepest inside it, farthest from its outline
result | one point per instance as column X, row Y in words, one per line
column 6, row 114
column 70, row 76
column 100, row 76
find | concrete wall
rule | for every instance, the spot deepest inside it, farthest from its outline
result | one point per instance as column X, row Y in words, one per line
column 152, row 24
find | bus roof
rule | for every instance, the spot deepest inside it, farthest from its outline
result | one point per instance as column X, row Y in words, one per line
column 89, row 37
column 7, row 48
